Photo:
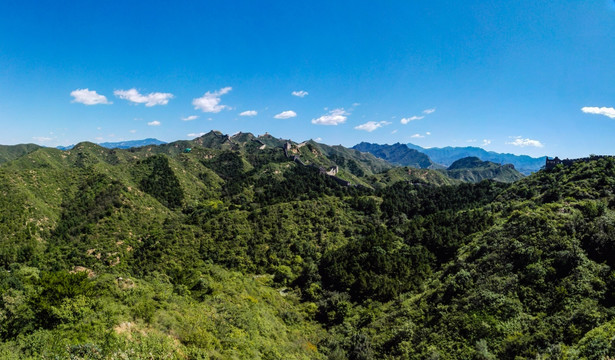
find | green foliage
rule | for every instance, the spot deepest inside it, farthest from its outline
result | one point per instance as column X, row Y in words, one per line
column 378, row 265
column 160, row 181
column 235, row 251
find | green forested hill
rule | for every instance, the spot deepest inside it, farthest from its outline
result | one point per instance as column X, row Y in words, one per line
column 225, row 247
column 473, row 169
column 11, row 152
column 399, row 154
column 468, row 169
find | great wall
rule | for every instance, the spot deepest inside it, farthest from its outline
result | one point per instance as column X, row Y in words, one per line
column 552, row 163
column 332, row 172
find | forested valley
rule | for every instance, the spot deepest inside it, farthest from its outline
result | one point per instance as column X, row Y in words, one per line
column 249, row 247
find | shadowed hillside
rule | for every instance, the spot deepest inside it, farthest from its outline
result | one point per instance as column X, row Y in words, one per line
column 250, row 246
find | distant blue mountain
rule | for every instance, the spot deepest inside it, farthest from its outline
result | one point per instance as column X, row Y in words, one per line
column 398, row 154
column 123, row 144
column 448, row 155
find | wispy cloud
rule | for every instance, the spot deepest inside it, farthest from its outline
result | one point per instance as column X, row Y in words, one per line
column 88, row 97
column 394, row 131
column 417, row 136
column 286, row 115
column 334, row 117
column 195, row 135
column 210, row 102
column 133, row 131
column 404, row 121
column 371, row 125
column 42, row 138
column 486, row 142
column 190, row 118
column 154, row 123
column 606, row 111
column 151, row 99
column 249, row 113
column 521, row 142
column 300, row 93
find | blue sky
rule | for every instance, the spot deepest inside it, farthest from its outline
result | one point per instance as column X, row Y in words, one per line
column 526, row 77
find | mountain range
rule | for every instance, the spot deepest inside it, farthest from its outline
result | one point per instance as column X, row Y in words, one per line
column 469, row 169
column 447, row 155
column 473, row 169
column 397, row 154
column 122, row 144
column 243, row 246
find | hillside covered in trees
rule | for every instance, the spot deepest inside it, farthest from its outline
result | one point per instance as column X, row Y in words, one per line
column 246, row 247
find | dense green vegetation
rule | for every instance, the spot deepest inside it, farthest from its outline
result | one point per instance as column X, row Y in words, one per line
column 472, row 169
column 399, row 154
column 235, row 250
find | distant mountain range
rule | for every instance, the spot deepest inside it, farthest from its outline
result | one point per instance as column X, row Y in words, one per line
column 448, row 155
column 399, row 154
column 441, row 158
column 473, row 169
column 467, row 169
column 122, row 144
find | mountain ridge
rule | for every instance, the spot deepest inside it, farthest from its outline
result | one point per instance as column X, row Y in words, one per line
column 473, row 169
column 169, row 251
column 399, row 154
column 127, row 144
column 449, row 154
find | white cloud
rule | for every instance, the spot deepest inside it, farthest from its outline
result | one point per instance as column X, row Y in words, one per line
column 154, row 123
column 249, row 113
column 486, row 142
column 286, row 115
column 151, row 99
column 429, row 111
column 334, row 117
column 210, row 102
column 190, row 118
column 394, row 131
column 88, row 97
column 356, row 104
column 300, row 93
column 428, row 133
column 606, row 111
column 417, row 136
column 519, row 141
column 318, row 139
column 412, row 118
column 133, row 131
column 195, row 135
column 371, row 125
column 42, row 138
